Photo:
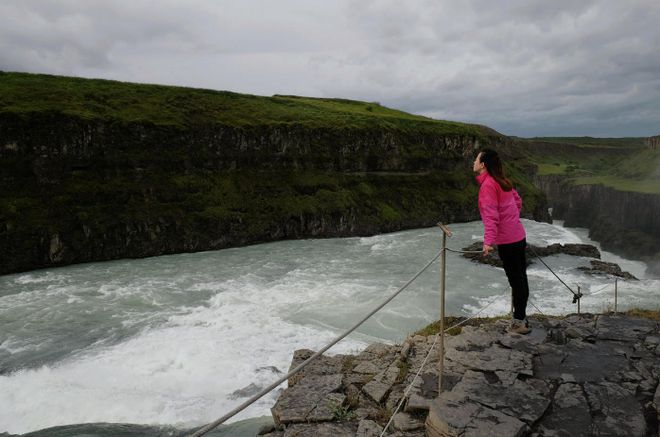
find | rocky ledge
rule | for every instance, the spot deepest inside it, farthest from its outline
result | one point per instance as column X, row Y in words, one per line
column 581, row 375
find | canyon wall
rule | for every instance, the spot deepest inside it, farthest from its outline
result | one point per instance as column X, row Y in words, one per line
column 78, row 190
column 623, row 222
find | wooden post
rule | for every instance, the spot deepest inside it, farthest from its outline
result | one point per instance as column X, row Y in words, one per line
column 616, row 294
column 443, row 267
column 578, row 299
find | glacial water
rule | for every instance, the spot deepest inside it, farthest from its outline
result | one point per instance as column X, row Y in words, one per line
column 167, row 341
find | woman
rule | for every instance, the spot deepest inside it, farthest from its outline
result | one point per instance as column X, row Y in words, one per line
column 499, row 206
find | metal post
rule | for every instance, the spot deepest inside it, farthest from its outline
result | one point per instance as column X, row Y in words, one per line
column 443, row 267
column 616, row 294
column 578, row 299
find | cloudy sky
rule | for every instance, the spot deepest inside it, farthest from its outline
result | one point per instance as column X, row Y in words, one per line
column 525, row 68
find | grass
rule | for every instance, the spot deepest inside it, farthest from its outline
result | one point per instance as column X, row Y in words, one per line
column 96, row 99
column 647, row 314
column 642, row 165
column 342, row 413
column 594, row 142
column 624, row 164
column 550, row 169
column 434, row 328
column 404, row 368
column 621, row 184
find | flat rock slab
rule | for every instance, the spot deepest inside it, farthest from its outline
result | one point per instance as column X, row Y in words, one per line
column 616, row 411
column 624, row 328
column 312, row 399
column 573, row 376
column 525, row 400
column 453, row 418
column 582, row 360
column 323, row 365
column 570, row 413
column 368, row 428
column 493, row 358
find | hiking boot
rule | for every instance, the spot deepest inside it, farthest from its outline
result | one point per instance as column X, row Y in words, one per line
column 520, row 327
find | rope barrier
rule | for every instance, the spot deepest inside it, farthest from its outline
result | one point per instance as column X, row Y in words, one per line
column 600, row 289
column 576, row 296
column 463, row 251
column 537, row 308
column 407, row 391
column 256, row 397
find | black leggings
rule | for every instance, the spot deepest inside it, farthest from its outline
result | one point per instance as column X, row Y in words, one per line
column 515, row 266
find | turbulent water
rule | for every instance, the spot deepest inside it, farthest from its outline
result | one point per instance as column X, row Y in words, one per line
column 169, row 340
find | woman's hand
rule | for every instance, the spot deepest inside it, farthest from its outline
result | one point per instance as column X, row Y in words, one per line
column 487, row 249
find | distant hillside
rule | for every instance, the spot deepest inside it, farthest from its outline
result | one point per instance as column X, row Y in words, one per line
column 97, row 170
column 591, row 141
column 171, row 106
column 625, row 164
column 611, row 186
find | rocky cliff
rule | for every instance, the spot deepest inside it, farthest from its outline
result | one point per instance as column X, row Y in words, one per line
column 653, row 142
column 83, row 181
column 622, row 221
column 580, row 375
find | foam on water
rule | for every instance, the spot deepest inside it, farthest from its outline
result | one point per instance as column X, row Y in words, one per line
column 181, row 373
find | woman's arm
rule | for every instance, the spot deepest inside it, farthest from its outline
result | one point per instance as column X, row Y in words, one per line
column 489, row 213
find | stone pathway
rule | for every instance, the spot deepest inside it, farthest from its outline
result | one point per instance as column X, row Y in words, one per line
column 578, row 376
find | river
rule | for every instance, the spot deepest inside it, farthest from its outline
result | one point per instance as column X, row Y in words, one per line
column 167, row 341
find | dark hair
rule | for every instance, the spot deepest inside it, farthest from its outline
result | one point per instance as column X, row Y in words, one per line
column 491, row 160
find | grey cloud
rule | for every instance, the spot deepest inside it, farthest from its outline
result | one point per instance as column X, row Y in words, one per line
column 524, row 68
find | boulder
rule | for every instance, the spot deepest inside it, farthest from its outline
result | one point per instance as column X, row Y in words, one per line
column 585, row 250
column 609, row 268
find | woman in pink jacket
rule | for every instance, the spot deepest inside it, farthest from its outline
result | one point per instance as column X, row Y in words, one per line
column 499, row 205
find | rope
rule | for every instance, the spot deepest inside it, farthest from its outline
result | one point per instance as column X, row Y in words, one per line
column 537, row 308
column 599, row 289
column 464, row 251
column 256, row 397
column 576, row 296
column 407, row 391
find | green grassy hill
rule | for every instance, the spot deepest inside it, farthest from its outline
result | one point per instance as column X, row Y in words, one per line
column 632, row 142
column 621, row 163
column 96, row 99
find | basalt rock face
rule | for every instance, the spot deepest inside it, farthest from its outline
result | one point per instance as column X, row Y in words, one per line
column 622, row 221
column 653, row 142
column 77, row 190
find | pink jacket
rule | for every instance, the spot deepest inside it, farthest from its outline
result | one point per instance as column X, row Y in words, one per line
column 500, row 212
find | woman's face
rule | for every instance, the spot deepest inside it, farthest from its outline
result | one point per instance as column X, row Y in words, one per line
column 478, row 166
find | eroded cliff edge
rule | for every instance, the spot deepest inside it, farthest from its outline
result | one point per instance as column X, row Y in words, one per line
column 624, row 222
